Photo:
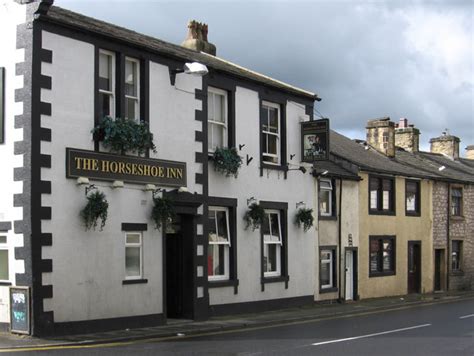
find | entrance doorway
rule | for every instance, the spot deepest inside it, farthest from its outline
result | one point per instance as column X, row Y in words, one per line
column 439, row 275
column 414, row 266
column 179, row 268
column 350, row 274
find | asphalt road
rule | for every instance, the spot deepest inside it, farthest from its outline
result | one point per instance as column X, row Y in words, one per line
column 440, row 329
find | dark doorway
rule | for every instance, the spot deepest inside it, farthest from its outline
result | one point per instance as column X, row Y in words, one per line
column 414, row 266
column 179, row 268
column 439, row 263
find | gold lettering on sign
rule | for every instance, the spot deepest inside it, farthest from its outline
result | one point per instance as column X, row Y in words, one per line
column 154, row 171
column 146, row 170
column 113, row 167
column 78, row 162
column 105, row 166
column 161, row 172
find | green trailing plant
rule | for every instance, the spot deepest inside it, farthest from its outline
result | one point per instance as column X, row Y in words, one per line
column 95, row 209
column 304, row 217
column 227, row 161
column 162, row 211
column 254, row 216
column 124, row 135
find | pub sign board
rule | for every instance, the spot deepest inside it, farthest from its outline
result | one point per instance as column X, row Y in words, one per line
column 315, row 140
column 20, row 310
column 132, row 169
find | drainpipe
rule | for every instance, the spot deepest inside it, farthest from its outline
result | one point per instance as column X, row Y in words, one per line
column 340, row 240
column 448, row 257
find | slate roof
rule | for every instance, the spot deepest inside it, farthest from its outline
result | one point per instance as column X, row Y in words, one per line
column 335, row 170
column 84, row 23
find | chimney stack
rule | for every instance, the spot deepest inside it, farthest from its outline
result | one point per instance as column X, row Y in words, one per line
column 446, row 144
column 407, row 136
column 380, row 135
column 470, row 152
column 197, row 38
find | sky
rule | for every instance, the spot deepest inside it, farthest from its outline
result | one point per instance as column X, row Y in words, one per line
column 365, row 59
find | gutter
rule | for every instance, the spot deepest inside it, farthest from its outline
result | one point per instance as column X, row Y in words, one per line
column 448, row 240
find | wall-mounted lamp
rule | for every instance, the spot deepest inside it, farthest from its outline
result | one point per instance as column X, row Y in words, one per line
column 149, row 188
column 89, row 188
column 82, row 181
column 300, row 168
column 318, row 173
column 251, row 200
column 183, row 190
column 300, row 203
column 117, row 184
column 157, row 191
column 193, row 68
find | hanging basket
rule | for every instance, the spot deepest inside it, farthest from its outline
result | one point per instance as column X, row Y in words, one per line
column 304, row 217
column 95, row 209
column 227, row 161
column 162, row 212
column 254, row 216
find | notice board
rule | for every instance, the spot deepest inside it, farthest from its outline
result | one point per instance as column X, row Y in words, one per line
column 20, row 310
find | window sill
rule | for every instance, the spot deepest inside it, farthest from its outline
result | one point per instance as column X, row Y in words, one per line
column 275, row 279
column 380, row 212
column 457, row 218
column 223, row 283
column 328, row 290
column 413, row 214
column 5, row 283
column 323, row 217
column 134, row 281
column 276, row 167
column 457, row 273
column 381, row 274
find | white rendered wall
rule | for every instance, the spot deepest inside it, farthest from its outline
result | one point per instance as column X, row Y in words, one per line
column 11, row 14
column 270, row 187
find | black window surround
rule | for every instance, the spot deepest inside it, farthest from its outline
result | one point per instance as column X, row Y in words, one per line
column 334, row 288
column 283, row 277
column 413, row 187
column 380, row 270
column 456, row 260
column 120, row 58
column 381, row 184
column 233, row 281
column 333, row 215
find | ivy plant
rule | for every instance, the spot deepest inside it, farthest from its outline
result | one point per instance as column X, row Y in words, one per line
column 304, row 217
column 227, row 161
column 124, row 135
column 95, row 209
column 162, row 211
column 254, row 216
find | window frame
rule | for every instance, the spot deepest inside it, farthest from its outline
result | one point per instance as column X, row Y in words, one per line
column 279, row 243
column 380, row 271
column 113, row 92
column 133, row 245
column 225, row 138
column 332, row 199
column 4, row 247
column 332, row 287
column 460, row 256
column 417, row 210
column 278, row 155
column 459, row 199
column 137, row 98
column 226, row 274
column 379, row 210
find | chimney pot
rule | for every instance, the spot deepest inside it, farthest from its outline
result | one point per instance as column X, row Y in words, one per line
column 197, row 38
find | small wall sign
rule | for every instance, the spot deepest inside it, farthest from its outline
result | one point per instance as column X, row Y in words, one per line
column 111, row 167
column 20, row 310
column 315, row 140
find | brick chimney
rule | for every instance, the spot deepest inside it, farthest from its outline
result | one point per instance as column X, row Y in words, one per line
column 197, row 38
column 407, row 136
column 447, row 144
column 470, row 152
column 380, row 135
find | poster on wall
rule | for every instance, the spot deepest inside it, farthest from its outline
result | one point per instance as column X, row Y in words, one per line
column 315, row 140
column 20, row 310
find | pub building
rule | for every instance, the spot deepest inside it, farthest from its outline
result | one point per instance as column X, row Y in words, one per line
column 62, row 73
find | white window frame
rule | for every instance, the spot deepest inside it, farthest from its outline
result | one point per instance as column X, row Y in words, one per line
column 327, row 186
column 134, row 245
column 330, row 262
column 279, row 243
column 212, row 123
column 111, row 92
column 277, row 135
column 226, row 261
column 4, row 247
column 135, row 98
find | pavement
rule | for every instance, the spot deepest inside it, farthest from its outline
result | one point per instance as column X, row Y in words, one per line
column 177, row 328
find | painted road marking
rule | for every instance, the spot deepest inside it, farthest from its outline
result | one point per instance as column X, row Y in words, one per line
column 466, row 316
column 371, row 335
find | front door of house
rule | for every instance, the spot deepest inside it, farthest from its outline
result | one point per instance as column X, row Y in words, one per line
column 438, row 277
column 414, row 266
column 349, row 275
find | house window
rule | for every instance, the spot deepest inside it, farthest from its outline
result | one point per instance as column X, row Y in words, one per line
column 382, row 255
column 219, row 244
column 4, row 272
column 106, row 83
column 217, row 121
column 133, row 255
column 270, row 132
column 272, row 243
column 412, row 197
column 327, row 269
column 381, row 195
column 456, row 201
column 132, row 89
column 456, row 256
column 325, row 197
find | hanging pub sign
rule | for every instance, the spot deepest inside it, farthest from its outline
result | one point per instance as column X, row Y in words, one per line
column 315, row 140
column 111, row 167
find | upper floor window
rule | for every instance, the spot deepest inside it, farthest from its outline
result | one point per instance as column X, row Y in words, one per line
column 325, row 197
column 217, row 121
column 381, row 195
column 272, row 243
column 412, row 197
column 106, row 83
column 456, row 201
column 219, row 244
column 270, row 133
column 132, row 89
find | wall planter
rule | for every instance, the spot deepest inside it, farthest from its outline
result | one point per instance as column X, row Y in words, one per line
column 124, row 135
column 227, row 161
column 254, row 216
column 95, row 209
column 162, row 211
column 304, row 217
